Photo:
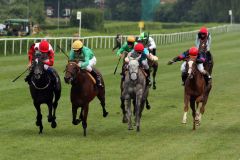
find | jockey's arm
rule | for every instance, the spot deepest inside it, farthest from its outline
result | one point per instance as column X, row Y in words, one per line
column 152, row 44
column 50, row 60
column 121, row 50
column 71, row 55
column 31, row 51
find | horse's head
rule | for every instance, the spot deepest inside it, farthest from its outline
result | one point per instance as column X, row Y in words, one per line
column 71, row 71
column 38, row 66
column 133, row 67
column 191, row 66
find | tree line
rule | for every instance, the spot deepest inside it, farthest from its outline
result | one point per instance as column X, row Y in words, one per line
column 128, row 10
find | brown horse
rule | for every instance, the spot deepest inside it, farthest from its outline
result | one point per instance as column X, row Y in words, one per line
column 83, row 91
column 195, row 91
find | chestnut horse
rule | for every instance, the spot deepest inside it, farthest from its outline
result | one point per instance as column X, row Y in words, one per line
column 153, row 68
column 83, row 91
column 195, row 91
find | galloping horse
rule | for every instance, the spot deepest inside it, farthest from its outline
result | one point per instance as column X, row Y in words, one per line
column 195, row 91
column 42, row 91
column 124, row 70
column 134, row 87
column 208, row 65
column 83, row 91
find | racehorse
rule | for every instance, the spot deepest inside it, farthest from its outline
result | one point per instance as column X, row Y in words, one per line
column 208, row 65
column 134, row 88
column 83, row 91
column 153, row 68
column 43, row 91
column 124, row 71
column 195, row 91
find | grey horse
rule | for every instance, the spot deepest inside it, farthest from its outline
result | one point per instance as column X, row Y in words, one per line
column 134, row 88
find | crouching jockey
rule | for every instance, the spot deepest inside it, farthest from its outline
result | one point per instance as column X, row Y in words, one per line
column 86, row 60
column 47, row 54
column 142, row 54
column 200, row 60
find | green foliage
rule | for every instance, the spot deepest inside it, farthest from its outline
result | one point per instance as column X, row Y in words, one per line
column 199, row 11
column 91, row 18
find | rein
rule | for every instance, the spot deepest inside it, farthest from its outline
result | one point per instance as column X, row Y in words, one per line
column 49, row 81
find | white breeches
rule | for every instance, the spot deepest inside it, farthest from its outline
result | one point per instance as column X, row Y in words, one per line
column 145, row 64
column 92, row 62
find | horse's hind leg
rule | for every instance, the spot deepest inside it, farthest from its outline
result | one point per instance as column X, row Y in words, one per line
column 124, row 119
column 51, row 115
column 147, row 104
column 101, row 97
column 128, row 113
column 54, row 105
column 39, row 117
column 155, row 68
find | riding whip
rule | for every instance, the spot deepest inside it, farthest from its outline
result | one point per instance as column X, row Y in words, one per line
column 117, row 65
column 19, row 75
column 63, row 51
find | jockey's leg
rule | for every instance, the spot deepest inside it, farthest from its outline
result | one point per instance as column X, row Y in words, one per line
column 184, row 73
column 97, row 77
column 147, row 70
column 205, row 73
column 93, row 71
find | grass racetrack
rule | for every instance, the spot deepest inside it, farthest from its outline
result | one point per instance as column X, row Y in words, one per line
column 162, row 135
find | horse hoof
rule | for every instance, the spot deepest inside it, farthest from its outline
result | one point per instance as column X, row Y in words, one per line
column 124, row 120
column 53, row 124
column 49, row 119
column 38, row 123
column 148, row 107
column 184, row 122
column 76, row 122
column 138, row 129
column 154, row 87
column 105, row 114
column 130, row 128
column 40, row 130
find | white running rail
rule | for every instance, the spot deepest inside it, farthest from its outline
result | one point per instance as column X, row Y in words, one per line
column 21, row 45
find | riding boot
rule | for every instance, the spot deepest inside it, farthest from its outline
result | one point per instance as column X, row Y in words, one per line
column 54, row 78
column 149, row 83
column 207, row 77
column 184, row 77
column 97, row 77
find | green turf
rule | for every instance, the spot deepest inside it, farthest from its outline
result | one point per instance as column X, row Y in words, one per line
column 162, row 135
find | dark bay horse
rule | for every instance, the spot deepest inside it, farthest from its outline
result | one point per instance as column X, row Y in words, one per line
column 153, row 68
column 208, row 65
column 134, row 88
column 83, row 91
column 195, row 92
column 43, row 91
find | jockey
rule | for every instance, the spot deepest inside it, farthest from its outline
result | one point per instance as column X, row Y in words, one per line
column 118, row 42
column 148, row 42
column 142, row 54
column 46, row 50
column 203, row 38
column 127, row 46
column 86, row 60
column 201, row 58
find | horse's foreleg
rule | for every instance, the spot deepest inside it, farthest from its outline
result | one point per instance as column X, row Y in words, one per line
column 54, row 105
column 124, row 119
column 186, row 102
column 128, row 113
column 192, row 105
column 75, row 121
column 147, row 104
column 50, row 117
column 138, row 105
column 84, row 120
column 39, row 117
